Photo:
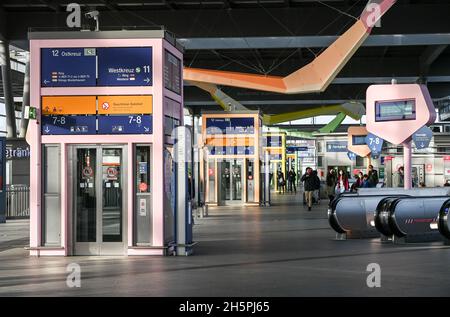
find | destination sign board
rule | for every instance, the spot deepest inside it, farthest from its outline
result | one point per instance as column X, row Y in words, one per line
column 336, row 146
column 230, row 125
column 422, row 137
column 274, row 141
column 125, row 66
column 66, row 125
column 130, row 124
column 231, row 150
column 68, row 67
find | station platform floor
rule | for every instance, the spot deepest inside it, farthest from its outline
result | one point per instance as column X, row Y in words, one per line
column 282, row 250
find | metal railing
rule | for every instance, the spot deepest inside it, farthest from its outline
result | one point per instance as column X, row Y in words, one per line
column 17, row 201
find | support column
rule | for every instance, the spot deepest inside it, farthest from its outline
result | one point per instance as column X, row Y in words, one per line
column 5, row 64
column 26, row 100
column 267, row 179
column 196, row 171
column 407, row 154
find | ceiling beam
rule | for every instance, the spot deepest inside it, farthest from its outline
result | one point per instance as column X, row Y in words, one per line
column 275, row 102
column 429, row 56
column 51, row 4
column 253, row 22
column 170, row 4
column 284, row 42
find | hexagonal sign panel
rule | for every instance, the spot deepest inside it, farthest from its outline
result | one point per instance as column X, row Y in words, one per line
column 396, row 112
column 356, row 142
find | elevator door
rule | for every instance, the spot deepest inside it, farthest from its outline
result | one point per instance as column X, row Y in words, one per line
column 99, row 200
column 231, row 181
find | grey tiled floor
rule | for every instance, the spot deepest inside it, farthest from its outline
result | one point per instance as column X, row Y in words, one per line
column 283, row 250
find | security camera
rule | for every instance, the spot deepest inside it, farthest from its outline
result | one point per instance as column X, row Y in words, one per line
column 92, row 14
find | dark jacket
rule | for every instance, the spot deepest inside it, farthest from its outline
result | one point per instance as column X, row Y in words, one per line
column 309, row 182
column 331, row 179
column 373, row 178
column 316, row 181
column 291, row 176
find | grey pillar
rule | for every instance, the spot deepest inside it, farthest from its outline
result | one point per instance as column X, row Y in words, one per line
column 26, row 100
column 196, row 171
column 184, row 211
column 267, row 178
column 5, row 64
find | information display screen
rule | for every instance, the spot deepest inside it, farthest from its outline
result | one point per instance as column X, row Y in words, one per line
column 358, row 140
column 230, row 125
column 274, row 141
column 172, row 73
column 395, row 110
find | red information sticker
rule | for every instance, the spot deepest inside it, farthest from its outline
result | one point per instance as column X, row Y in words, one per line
column 143, row 187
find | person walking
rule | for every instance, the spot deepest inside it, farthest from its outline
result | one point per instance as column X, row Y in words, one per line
column 291, row 181
column 373, row 177
column 308, row 186
column 342, row 182
column 330, row 181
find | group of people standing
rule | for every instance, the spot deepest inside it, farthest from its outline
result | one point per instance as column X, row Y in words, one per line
column 337, row 184
column 291, row 181
column 311, row 185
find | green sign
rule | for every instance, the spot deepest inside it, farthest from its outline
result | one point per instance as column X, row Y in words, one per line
column 30, row 113
column 381, row 172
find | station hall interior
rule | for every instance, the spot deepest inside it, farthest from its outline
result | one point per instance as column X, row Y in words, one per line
column 225, row 147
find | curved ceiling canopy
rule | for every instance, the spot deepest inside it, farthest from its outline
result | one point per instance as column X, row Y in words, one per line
column 313, row 77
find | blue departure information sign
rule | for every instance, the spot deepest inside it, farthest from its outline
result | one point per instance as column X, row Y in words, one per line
column 68, row 67
column 65, row 125
column 129, row 124
column 124, row 66
column 274, row 141
column 230, row 125
column 231, row 150
column 422, row 137
column 375, row 144
column 351, row 156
